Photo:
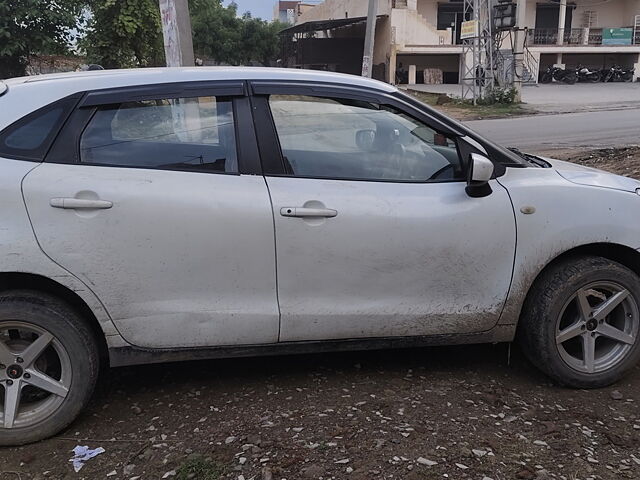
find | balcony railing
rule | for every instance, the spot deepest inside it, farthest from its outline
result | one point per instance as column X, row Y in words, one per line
column 573, row 36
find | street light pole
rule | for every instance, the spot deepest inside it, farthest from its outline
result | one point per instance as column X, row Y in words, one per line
column 369, row 39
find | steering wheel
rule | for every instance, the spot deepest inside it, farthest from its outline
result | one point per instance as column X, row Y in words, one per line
column 440, row 172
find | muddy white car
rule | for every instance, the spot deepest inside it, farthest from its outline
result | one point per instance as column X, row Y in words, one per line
column 163, row 215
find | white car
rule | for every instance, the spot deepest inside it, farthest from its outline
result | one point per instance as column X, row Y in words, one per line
column 171, row 214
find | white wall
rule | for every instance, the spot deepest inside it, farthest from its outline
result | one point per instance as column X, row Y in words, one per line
column 612, row 13
column 412, row 28
column 429, row 10
column 334, row 9
column 616, row 13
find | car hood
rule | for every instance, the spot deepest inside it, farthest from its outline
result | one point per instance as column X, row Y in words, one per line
column 593, row 177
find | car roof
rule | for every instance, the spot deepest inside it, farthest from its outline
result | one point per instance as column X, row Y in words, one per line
column 140, row 76
column 27, row 94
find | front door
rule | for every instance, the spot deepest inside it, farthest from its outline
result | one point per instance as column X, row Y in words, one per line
column 375, row 234
column 156, row 218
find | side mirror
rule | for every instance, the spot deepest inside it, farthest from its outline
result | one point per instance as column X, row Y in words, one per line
column 365, row 140
column 480, row 172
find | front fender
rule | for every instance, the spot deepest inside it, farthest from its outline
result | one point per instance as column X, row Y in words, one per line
column 554, row 216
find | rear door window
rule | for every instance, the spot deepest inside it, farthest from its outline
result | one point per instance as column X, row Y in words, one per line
column 179, row 133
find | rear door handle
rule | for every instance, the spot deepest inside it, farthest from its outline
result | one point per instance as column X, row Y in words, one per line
column 79, row 203
column 304, row 212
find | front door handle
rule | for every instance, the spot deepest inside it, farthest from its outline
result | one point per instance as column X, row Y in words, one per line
column 304, row 212
column 80, row 203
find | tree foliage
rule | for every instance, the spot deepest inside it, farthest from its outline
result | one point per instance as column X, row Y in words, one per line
column 124, row 33
column 219, row 34
column 128, row 33
column 35, row 27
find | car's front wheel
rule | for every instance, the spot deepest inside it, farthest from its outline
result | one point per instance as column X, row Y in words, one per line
column 581, row 322
column 48, row 366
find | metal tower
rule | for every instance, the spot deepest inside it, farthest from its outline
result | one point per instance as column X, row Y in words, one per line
column 478, row 51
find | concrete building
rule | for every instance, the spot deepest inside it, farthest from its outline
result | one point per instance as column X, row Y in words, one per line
column 287, row 11
column 418, row 40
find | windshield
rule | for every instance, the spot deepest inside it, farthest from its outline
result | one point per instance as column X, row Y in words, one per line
column 498, row 152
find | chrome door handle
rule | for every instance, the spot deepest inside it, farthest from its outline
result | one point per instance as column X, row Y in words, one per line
column 304, row 212
column 79, row 203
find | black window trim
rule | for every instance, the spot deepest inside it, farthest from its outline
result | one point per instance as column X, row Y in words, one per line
column 66, row 147
column 273, row 163
column 39, row 153
column 164, row 91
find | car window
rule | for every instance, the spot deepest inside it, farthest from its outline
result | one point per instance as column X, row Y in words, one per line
column 183, row 133
column 32, row 134
column 347, row 139
column 30, row 137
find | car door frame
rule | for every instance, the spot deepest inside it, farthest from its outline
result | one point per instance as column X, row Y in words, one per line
column 274, row 164
column 64, row 149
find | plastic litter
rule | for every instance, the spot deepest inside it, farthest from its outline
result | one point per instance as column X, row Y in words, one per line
column 82, row 454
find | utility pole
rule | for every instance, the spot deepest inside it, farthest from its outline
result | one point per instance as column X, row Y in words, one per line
column 518, row 52
column 176, row 30
column 369, row 39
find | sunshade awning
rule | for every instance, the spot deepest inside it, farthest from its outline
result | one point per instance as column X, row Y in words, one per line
column 319, row 25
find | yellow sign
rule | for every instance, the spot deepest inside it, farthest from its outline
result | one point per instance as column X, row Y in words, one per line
column 469, row 29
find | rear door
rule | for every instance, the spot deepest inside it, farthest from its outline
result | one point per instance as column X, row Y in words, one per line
column 375, row 234
column 153, row 196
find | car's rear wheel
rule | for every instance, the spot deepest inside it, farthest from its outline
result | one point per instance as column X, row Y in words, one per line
column 48, row 366
column 581, row 322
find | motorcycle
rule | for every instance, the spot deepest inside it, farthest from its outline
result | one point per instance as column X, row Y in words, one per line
column 617, row 74
column 587, row 75
column 560, row 75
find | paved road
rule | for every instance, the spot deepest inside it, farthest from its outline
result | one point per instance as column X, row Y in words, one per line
column 540, row 133
column 559, row 98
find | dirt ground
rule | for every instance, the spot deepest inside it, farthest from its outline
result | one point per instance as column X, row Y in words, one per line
column 470, row 412
column 623, row 161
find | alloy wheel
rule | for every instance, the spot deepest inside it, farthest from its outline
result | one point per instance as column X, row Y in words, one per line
column 597, row 327
column 35, row 374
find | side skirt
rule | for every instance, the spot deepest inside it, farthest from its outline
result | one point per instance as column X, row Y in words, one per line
column 131, row 355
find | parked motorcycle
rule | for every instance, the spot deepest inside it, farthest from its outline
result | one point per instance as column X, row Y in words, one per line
column 587, row 75
column 559, row 75
column 617, row 74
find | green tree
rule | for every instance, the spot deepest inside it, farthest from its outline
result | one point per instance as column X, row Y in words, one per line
column 124, row 34
column 35, row 27
column 216, row 30
column 220, row 35
column 259, row 40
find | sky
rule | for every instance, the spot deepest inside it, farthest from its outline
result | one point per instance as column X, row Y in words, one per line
column 258, row 8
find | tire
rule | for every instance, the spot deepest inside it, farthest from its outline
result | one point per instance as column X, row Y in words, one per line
column 542, row 333
column 570, row 78
column 546, row 78
column 68, row 359
column 627, row 77
column 593, row 77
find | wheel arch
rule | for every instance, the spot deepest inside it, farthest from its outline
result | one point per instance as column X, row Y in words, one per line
column 616, row 252
column 40, row 283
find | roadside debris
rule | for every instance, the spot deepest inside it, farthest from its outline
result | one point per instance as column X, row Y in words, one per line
column 82, row 454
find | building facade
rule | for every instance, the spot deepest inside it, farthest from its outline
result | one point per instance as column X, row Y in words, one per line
column 418, row 41
column 288, row 11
